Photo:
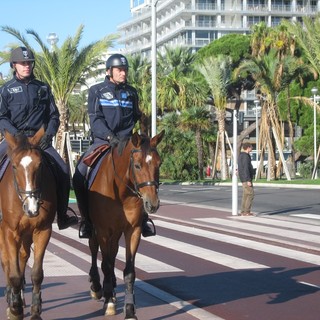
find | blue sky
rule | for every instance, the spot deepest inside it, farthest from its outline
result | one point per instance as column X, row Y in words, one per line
column 99, row 17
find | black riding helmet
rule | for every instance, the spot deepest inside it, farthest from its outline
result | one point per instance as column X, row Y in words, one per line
column 21, row 54
column 117, row 60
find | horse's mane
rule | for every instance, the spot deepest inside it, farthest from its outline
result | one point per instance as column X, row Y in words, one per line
column 124, row 141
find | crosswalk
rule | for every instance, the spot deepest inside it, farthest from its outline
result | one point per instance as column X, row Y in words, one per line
column 264, row 228
column 288, row 239
column 260, row 230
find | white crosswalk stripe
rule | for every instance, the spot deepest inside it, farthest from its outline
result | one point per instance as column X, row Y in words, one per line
column 142, row 262
column 246, row 243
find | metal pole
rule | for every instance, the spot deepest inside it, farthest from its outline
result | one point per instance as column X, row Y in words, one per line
column 256, row 102
column 235, row 166
column 153, row 68
column 314, row 92
column 315, row 137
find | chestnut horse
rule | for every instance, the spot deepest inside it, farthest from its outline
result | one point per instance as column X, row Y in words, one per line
column 28, row 205
column 126, row 183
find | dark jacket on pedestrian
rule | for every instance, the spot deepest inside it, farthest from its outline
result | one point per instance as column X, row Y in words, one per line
column 245, row 168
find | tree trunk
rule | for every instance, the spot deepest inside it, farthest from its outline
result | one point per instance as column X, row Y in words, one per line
column 200, row 153
column 221, row 125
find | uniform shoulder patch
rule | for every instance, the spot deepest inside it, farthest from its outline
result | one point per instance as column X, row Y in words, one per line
column 15, row 89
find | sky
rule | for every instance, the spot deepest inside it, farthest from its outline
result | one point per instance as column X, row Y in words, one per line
column 63, row 17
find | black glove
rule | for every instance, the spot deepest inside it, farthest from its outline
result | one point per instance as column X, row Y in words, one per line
column 45, row 142
column 114, row 141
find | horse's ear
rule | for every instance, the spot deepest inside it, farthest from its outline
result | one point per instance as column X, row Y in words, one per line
column 157, row 139
column 136, row 139
column 37, row 137
column 11, row 139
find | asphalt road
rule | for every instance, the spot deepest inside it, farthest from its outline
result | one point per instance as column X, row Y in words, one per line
column 204, row 263
column 269, row 200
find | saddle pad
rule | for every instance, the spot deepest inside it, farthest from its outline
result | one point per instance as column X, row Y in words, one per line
column 3, row 166
column 93, row 170
column 91, row 159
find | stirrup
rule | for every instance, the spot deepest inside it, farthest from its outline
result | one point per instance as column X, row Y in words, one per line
column 150, row 232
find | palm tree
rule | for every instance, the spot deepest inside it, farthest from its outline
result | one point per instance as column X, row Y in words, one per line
column 65, row 67
column 77, row 106
column 272, row 75
column 307, row 37
column 197, row 119
column 174, row 79
column 217, row 72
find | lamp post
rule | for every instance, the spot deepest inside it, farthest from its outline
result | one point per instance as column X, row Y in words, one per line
column 235, row 165
column 314, row 91
column 52, row 39
column 257, row 108
column 154, row 68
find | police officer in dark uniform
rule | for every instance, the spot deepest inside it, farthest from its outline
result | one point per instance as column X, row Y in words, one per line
column 27, row 104
column 113, row 111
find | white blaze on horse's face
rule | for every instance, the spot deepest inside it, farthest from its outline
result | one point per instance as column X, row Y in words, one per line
column 148, row 158
column 31, row 205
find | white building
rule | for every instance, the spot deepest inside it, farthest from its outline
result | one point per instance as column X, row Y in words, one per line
column 195, row 23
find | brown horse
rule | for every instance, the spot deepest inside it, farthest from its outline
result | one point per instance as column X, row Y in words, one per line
column 126, row 183
column 28, row 204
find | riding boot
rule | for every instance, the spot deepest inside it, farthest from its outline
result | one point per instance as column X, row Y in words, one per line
column 146, row 230
column 63, row 219
column 81, row 192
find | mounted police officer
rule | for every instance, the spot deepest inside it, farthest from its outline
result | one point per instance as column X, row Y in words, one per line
column 27, row 104
column 113, row 111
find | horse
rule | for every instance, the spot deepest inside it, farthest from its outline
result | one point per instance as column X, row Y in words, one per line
column 28, row 205
column 126, row 183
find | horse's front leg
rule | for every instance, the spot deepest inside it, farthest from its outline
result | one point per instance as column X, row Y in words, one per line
column 5, row 266
column 132, row 239
column 23, row 258
column 94, row 277
column 40, row 240
column 14, row 276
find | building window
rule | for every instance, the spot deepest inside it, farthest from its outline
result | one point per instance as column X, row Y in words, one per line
column 137, row 3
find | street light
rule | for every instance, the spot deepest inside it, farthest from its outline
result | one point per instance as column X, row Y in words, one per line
column 257, row 108
column 235, row 165
column 154, row 68
column 314, row 91
column 52, row 39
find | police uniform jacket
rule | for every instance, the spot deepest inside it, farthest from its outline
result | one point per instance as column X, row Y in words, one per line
column 27, row 106
column 113, row 109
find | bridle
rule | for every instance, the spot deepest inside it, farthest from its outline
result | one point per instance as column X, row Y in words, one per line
column 137, row 186
column 24, row 194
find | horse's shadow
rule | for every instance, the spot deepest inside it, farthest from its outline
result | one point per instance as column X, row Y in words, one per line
column 278, row 284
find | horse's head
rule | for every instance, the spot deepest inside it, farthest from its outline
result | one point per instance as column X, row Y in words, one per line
column 145, row 163
column 25, row 159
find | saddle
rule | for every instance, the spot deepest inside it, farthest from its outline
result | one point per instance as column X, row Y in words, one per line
column 91, row 159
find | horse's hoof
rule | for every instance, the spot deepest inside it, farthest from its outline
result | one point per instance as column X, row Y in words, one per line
column 111, row 307
column 96, row 295
column 11, row 316
column 36, row 317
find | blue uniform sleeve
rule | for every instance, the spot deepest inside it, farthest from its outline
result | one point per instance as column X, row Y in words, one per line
column 99, row 127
